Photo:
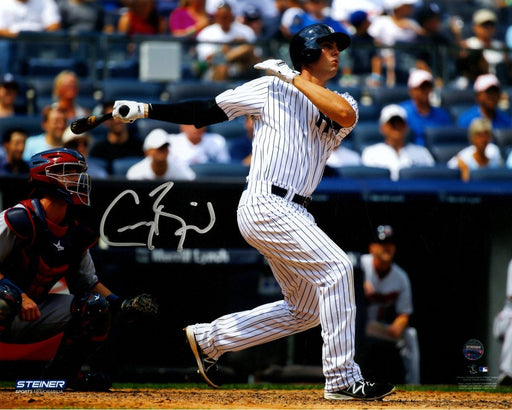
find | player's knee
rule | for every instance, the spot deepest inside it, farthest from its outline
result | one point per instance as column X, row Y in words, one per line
column 10, row 305
column 307, row 318
column 91, row 316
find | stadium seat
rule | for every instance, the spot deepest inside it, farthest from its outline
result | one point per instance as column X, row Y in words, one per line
column 184, row 90
column 362, row 172
column 130, row 89
column 365, row 133
column 503, row 139
column 369, row 112
column 37, row 67
column 453, row 96
column 121, row 165
column 229, row 129
column 389, row 95
column 145, row 127
column 444, row 142
column 31, row 123
column 220, row 170
column 491, row 174
column 436, row 172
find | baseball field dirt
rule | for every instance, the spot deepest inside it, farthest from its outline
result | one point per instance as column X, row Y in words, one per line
column 196, row 398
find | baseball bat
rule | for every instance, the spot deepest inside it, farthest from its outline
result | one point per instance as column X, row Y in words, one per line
column 86, row 124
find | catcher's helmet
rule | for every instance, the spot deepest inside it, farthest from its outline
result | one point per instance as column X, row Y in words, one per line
column 305, row 47
column 61, row 172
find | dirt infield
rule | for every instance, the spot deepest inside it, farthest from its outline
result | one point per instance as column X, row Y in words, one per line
column 195, row 398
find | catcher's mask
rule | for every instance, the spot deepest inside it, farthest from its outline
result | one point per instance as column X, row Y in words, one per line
column 61, row 172
column 305, row 46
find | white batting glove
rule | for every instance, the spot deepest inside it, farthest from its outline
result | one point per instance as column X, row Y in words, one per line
column 135, row 111
column 278, row 68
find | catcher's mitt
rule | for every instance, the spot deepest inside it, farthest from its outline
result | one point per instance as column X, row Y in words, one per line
column 138, row 307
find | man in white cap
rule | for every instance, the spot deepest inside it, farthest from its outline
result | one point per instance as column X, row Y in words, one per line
column 484, row 29
column 395, row 152
column 487, row 94
column 421, row 114
column 158, row 164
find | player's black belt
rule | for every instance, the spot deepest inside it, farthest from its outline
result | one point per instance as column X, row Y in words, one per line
column 298, row 199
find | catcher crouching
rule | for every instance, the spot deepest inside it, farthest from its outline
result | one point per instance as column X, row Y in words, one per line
column 40, row 243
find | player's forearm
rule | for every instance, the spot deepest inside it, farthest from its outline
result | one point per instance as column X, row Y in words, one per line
column 331, row 104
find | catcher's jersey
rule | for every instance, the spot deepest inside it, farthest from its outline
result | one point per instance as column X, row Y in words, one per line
column 292, row 138
column 392, row 293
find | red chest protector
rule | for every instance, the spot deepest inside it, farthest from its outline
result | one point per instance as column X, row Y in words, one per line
column 45, row 252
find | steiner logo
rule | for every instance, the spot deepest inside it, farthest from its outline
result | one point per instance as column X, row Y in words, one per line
column 40, row 385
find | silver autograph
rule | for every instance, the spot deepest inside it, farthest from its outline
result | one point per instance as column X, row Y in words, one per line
column 154, row 228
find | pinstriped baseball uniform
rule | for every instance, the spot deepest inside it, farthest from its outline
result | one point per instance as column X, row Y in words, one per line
column 292, row 141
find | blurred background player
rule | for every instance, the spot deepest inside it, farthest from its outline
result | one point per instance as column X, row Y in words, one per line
column 388, row 296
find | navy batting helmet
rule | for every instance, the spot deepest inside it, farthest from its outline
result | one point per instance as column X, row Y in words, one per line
column 305, row 47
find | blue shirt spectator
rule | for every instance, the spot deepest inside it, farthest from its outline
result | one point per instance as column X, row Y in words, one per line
column 488, row 92
column 420, row 113
column 314, row 14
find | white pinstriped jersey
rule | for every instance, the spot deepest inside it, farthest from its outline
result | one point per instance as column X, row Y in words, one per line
column 292, row 138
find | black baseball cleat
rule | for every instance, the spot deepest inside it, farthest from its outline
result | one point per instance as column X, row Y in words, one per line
column 362, row 390
column 204, row 364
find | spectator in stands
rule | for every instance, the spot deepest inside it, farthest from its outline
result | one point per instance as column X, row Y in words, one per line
column 420, row 112
column 81, row 143
column 189, row 18
column 23, row 15
column 484, row 29
column 365, row 63
column 9, row 89
column 158, row 163
column 227, row 61
column 396, row 27
column 53, row 124
column 253, row 18
column 315, row 12
column 119, row 143
column 482, row 153
column 434, row 44
column 469, row 67
column 342, row 9
column 65, row 91
column 341, row 157
column 81, row 16
column 141, row 17
column 196, row 146
column 13, row 142
column 395, row 152
column 267, row 7
column 290, row 11
column 487, row 94
column 388, row 294
column 28, row 15
column 240, row 148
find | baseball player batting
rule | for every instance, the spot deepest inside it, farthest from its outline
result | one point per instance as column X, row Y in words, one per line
column 297, row 124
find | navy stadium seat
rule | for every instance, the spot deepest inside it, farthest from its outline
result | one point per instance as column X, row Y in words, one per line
column 217, row 170
column 145, row 127
column 491, row 174
column 444, row 142
column 229, row 129
column 362, row 172
column 31, row 123
column 436, row 172
column 503, row 139
column 184, row 90
column 365, row 133
column 389, row 95
column 120, row 166
column 130, row 89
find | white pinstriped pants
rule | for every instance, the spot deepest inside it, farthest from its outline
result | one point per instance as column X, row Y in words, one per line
column 316, row 279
